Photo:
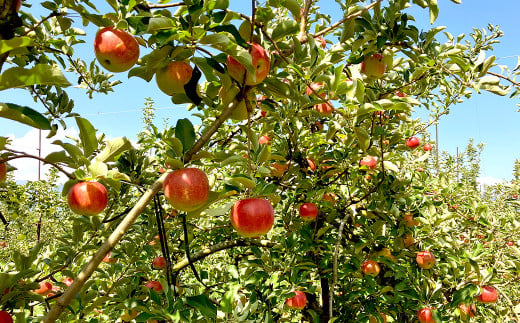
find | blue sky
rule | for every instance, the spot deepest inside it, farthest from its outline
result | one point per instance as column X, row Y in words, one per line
column 487, row 118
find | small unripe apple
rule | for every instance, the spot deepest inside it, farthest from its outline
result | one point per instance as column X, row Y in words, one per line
column 427, row 147
column 3, row 171
column 371, row 268
column 172, row 77
column 264, row 140
column 186, row 189
column 308, row 211
column 159, row 263
column 488, row 294
column 368, row 161
column 467, row 311
column 413, row 142
column 252, row 217
column 116, row 50
column 425, row 315
column 425, row 259
column 5, row 317
column 297, row 302
column 240, row 111
column 155, row 285
column 87, row 198
column 261, row 66
column 373, row 66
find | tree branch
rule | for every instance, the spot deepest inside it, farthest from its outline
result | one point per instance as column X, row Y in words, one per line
column 219, row 247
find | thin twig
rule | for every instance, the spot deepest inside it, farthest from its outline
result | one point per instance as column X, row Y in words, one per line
column 52, row 14
column 349, row 17
column 58, row 167
column 505, row 78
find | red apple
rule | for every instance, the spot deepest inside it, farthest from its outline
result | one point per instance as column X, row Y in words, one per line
column 400, row 94
column 3, row 171
column 298, row 301
column 155, row 285
column 488, row 294
column 261, row 65
column 425, row 259
column 3, row 244
column 312, row 164
column 323, row 42
column 264, row 140
column 427, row 147
column 158, row 263
column 368, row 161
column 509, row 243
column 374, row 320
column 116, row 50
column 324, row 108
column 108, row 259
column 330, row 197
column 413, row 142
column 186, row 189
column 467, row 311
column 408, row 240
column 5, row 317
column 172, row 77
column 373, row 66
column 409, row 220
column 425, row 315
column 308, row 211
column 87, row 198
column 371, row 268
column 278, row 169
column 68, row 281
column 45, row 289
column 128, row 316
column 252, row 217
column 315, row 87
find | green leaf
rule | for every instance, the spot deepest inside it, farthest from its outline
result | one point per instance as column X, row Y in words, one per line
column 39, row 74
column 228, row 299
column 24, row 115
column 98, row 169
column 113, row 149
column 185, row 132
column 285, row 28
column 159, row 23
column 434, row 10
column 87, row 135
column 244, row 180
column 13, row 43
column 203, row 304
column 363, row 138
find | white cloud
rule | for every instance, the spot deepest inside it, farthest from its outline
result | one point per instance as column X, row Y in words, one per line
column 486, row 181
column 27, row 168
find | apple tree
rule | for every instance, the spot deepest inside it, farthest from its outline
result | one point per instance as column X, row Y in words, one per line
column 304, row 191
